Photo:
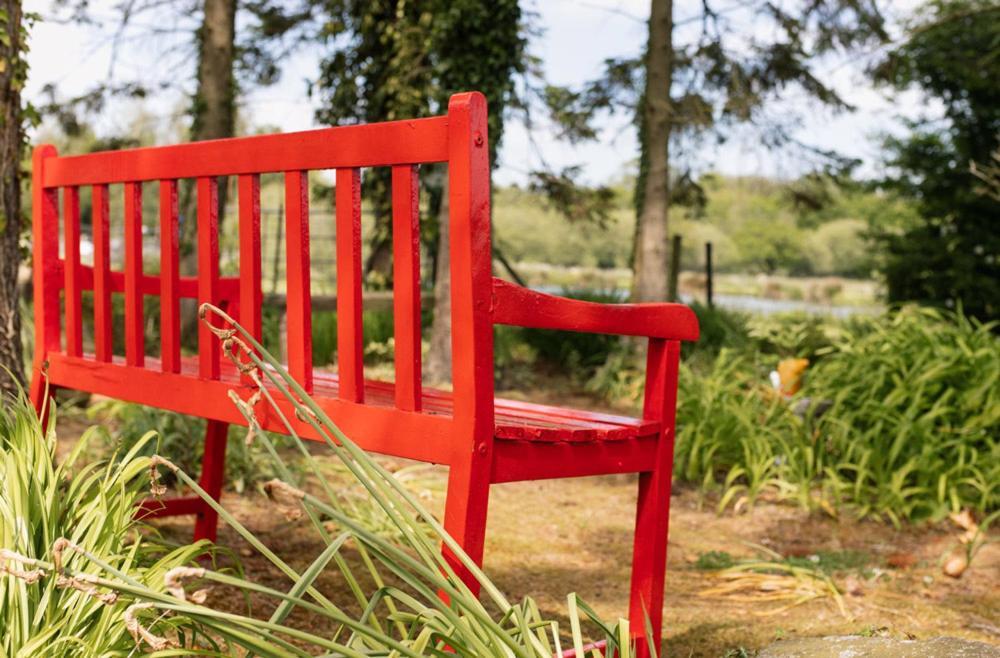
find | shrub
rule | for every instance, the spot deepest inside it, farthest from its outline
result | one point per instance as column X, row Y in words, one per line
column 915, row 416
column 899, row 419
column 62, row 615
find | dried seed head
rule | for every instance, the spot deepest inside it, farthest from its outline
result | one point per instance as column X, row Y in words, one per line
column 139, row 633
column 86, row 583
column 157, row 460
column 172, row 580
column 28, row 576
column 287, row 497
column 276, row 489
column 58, row 547
column 200, row 596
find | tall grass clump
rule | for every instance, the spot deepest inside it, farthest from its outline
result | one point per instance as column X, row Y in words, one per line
column 408, row 598
column 914, row 421
column 52, row 516
column 899, row 419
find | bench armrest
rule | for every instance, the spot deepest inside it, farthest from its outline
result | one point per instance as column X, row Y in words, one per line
column 522, row 307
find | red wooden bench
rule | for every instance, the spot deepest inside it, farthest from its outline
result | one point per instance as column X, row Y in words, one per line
column 483, row 440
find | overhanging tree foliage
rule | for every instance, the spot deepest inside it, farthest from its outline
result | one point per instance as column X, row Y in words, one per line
column 392, row 59
column 702, row 76
column 951, row 255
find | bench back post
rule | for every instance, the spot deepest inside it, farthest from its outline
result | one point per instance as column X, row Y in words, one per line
column 471, row 271
column 45, row 257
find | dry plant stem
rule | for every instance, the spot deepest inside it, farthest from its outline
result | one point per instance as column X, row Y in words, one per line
column 345, row 570
column 245, row 533
column 173, row 580
column 268, row 366
column 333, row 544
column 131, row 587
column 395, row 555
column 381, row 485
column 30, row 576
column 329, row 609
column 86, row 584
column 140, row 633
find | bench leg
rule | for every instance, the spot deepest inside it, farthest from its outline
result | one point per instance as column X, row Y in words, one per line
column 465, row 513
column 652, row 518
column 649, row 560
column 213, row 470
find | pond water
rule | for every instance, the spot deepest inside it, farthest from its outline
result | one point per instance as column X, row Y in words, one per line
column 751, row 304
column 764, row 306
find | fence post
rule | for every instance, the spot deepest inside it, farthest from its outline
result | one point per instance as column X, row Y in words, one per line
column 708, row 274
column 675, row 269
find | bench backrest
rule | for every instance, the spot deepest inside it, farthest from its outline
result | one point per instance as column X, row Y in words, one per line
column 458, row 139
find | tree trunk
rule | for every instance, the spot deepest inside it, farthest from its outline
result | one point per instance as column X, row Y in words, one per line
column 213, row 117
column 214, row 106
column 11, row 144
column 651, row 248
column 439, row 358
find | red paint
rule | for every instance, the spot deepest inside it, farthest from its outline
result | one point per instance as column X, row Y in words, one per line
column 45, row 276
column 251, row 298
column 103, row 338
column 71, row 229
column 350, row 348
column 213, row 472
column 169, row 293
column 250, row 263
column 406, row 285
column 298, row 312
column 134, row 341
column 482, row 439
column 208, row 272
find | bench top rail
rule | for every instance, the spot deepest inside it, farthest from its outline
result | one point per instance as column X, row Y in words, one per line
column 458, row 139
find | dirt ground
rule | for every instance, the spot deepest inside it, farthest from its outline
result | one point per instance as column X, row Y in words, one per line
column 547, row 539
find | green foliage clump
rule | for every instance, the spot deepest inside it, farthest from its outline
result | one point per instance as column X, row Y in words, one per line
column 899, row 418
column 915, row 416
column 950, row 253
column 93, row 507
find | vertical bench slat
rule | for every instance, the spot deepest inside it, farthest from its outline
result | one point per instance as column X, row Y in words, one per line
column 208, row 272
column 71, row 273
column 170, row 315
column 134, row 340
column 102, row 275
column 250, row 256
column 406, row 285
column 251, row 299
column 350, row 366
column 297, row 267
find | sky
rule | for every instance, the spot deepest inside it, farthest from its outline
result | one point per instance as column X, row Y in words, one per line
column 574, row 38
